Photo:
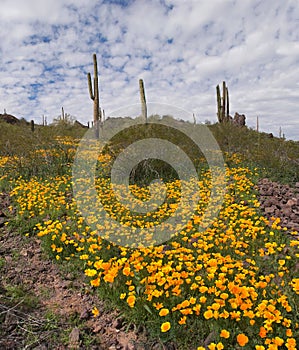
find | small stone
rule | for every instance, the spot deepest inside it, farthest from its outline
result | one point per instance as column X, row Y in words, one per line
column 117, row 323
column 292, row 202
column 74, row 339
column 112, row 347
column 85, row 314
column 41, row 347
column 287, row 211
column 270, row 210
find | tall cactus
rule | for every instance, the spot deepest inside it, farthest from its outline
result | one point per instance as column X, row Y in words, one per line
column 94, row 95
column 222, row 103
column 62, row 114
column 143, row 100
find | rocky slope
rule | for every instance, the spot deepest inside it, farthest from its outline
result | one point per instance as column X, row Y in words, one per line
column 280, row 201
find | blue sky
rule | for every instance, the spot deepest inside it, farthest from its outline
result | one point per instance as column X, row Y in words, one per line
column 181, row 48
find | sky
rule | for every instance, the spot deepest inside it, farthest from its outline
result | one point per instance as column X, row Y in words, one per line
column 181, row 49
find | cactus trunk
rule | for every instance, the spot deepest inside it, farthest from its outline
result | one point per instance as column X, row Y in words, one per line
column 94, row 95
column 143, row 100
column 62, row 114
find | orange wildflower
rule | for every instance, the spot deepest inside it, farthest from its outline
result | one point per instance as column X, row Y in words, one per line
column 165, row 327
column 242, row 339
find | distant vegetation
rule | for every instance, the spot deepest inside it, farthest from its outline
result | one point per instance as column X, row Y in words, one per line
column 276, row 158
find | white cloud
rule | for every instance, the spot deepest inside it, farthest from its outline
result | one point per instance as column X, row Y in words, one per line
column 182, row 50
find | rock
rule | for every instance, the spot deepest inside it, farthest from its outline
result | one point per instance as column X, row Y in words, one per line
column 281, row 201
column 286, row 211
column 292, row 202
column 8, row 259
column 2, row 222
column 41, row 347
column 85, row 314
column 117, row 323
column 74, row 339
column 239, row 119
column 8, row 118
column 80, row 125
column 293, row 216
column 269, row 210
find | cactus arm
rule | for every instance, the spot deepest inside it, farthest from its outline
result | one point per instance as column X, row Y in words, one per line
column 90, row 86
column 219, row 114
column 95, row 65
column 223, row 101
column 227, row 102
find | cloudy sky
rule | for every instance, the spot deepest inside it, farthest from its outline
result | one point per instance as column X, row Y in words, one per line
column 181, row 48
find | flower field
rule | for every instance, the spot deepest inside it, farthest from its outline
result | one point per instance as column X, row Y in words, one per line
column 234, row 285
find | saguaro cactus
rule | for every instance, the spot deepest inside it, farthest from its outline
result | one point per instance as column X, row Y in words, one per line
column 222, row 103
column 32, row 125
column 143, row 100
column 62, row 114
column 94, row 95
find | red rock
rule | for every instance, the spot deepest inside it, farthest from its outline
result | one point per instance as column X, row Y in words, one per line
column 269, row 210
column 280, row 201
column 292, row 202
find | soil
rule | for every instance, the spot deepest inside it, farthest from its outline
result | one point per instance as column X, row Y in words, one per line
column 44, row 307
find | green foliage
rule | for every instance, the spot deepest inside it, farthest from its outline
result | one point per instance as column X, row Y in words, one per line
column 36, row 154
column 18, row 294
column 276, row 158
column 2, row 262
column 42, row 153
